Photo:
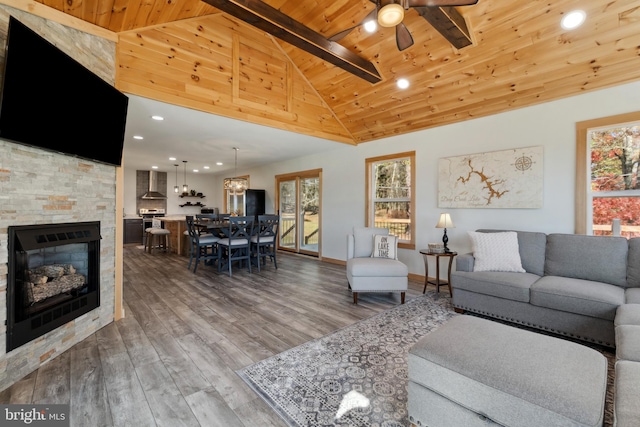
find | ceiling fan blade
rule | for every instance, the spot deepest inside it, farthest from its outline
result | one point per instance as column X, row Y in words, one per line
column 342, row 34
column 403, row 37
column 440, row 3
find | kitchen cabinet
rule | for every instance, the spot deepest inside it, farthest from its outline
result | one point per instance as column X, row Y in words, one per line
column 133, row 231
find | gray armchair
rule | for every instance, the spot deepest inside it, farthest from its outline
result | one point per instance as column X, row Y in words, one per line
column 368, row 274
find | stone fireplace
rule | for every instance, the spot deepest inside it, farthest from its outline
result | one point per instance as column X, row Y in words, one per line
column 43, row 188
column 53, row 277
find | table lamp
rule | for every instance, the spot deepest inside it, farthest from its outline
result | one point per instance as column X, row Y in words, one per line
column 445, row 222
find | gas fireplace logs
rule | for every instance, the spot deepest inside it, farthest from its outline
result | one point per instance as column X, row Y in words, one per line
column 50, row 280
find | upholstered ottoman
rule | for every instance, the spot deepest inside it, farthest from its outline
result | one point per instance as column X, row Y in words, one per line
column 475, row 372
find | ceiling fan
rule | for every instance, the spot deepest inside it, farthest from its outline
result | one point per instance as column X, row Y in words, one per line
column 390, row 13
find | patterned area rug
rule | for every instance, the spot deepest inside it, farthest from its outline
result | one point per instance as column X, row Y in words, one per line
column 357, row 376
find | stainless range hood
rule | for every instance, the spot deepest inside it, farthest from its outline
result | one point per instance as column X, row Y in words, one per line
column 153, row 193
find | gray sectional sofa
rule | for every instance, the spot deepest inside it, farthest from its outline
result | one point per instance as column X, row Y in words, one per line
column 584, row 287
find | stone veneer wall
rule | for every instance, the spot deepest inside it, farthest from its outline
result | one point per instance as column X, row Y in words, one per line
column 42, row 187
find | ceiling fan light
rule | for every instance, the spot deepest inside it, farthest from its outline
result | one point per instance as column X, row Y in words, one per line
column 390, row 15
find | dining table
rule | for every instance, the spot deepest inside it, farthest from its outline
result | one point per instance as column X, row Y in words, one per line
column 218, row 228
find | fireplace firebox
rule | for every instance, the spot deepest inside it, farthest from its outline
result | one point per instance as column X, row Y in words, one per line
column 53, row 277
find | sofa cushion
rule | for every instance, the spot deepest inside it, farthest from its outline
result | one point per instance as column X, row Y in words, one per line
column 628, row 342
column 596, row 258
column 578, row 296
column 376, row 267
column 363, row 240
column 632, row 295
column 496, row 251
column 633, row 263
column 627, row 390
column 628, row 314
column 511, row 286
column 532, row 246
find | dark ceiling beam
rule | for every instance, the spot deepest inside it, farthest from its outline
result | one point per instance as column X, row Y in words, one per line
column 274, row 22
column 448, row 22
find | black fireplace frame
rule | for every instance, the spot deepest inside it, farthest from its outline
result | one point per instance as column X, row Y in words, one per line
column 29, row 237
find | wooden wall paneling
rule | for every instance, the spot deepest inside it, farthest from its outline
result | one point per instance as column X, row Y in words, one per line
column 263, row 77
column 103, row 13
column 118, row 14
column 520, row 56
column 209, row 84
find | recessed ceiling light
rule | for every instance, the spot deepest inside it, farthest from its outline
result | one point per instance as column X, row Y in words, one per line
column 370, row 26
column 196, row 170
column 137, row 137
column 158, row 118
column 219, row 163
column 172, row 158
column 573, row 19
column 154, row 167
column 206, row 167
column 403, row 83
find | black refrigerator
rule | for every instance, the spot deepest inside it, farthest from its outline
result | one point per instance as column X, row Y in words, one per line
column 254, row 203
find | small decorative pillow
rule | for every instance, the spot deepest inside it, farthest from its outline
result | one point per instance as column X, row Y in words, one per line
column 496, row 251
column 385, row 247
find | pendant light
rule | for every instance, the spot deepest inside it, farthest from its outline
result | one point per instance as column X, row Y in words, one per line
column 185, row 187
column 235, row 185
column 176, row 189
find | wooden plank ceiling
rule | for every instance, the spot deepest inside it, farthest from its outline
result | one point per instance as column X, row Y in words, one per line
column 191, row 54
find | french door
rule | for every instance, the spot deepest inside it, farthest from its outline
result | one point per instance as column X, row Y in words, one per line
column 300, row 211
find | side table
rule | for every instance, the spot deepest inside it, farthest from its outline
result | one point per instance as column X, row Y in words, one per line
column 426, row 254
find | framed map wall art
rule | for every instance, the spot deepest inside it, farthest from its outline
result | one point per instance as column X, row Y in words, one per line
column 497, row 179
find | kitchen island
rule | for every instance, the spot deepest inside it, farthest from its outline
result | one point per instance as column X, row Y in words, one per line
column 177, row 224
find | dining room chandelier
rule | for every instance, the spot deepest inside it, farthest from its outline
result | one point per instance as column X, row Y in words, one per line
column 236, row 185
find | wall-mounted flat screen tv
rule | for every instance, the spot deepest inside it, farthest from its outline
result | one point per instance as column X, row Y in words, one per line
column 51, row 101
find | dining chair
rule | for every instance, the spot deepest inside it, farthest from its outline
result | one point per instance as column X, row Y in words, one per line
column 236, row 245
column 264, row 238
column 203, row 246
column 157, row 237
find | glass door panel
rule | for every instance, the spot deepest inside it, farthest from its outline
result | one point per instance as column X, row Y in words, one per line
column 309, row 214
column 288, row 213
column 300, row 209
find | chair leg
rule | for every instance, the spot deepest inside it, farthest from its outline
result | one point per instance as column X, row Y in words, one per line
column 258, row 256
column 275, row 263
column 191, row 249
column 197, row 259
column 355, row 298
column 402, row 297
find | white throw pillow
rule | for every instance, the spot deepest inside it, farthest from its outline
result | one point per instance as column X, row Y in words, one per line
column 496, row 251
column 385, row 247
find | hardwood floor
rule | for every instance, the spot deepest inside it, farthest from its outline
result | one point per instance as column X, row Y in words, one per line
column 172, row 360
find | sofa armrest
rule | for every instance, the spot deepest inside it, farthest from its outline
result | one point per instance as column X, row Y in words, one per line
column 465, row 262
column 351, row 244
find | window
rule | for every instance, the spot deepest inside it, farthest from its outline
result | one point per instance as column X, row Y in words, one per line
column 390, row 196
column 608, row 185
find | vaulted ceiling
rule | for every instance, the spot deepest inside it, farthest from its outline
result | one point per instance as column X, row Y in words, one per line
column 191, row 54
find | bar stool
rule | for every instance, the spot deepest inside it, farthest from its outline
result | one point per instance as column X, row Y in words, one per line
column 158, row 237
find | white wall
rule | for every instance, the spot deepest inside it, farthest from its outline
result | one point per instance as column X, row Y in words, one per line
column 551, row 125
